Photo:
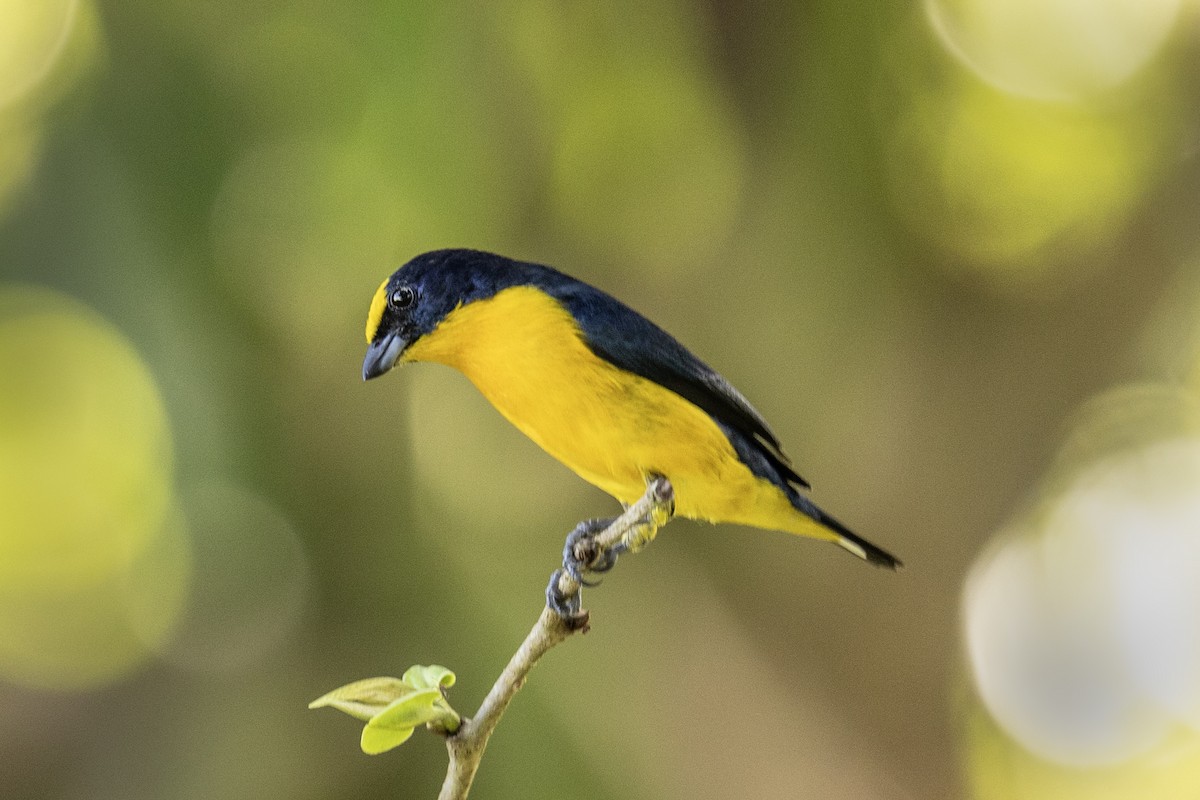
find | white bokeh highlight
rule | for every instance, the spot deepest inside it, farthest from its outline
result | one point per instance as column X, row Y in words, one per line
column 1055, row 50
column 1083, row 629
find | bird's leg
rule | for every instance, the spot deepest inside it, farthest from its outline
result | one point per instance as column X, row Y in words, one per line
column 635, row 538
column 646, row 528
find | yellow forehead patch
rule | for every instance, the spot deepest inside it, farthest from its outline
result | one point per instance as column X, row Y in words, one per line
column 378, row 304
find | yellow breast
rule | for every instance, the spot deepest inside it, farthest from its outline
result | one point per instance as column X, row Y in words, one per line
column 524, row 351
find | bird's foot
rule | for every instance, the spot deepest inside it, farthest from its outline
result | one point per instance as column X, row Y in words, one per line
column 587, row 551
column 565, row 606
column 582, row 556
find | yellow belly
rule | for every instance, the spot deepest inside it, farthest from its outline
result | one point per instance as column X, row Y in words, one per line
column 525, row 353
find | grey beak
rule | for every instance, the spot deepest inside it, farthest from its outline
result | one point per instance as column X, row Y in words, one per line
column 382, row 354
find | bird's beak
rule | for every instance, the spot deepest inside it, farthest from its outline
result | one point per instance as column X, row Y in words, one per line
column 382, row 354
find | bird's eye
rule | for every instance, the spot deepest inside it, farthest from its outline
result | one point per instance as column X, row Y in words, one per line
column 403, row 297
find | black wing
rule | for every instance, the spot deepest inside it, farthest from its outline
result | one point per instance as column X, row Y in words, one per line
column 625, row 338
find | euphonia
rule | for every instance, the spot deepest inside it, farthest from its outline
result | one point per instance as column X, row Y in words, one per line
column 598, row 386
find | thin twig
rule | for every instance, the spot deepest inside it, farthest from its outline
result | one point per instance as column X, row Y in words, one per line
column 467, row 744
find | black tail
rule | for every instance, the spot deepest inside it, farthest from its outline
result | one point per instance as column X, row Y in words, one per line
column 851, row 541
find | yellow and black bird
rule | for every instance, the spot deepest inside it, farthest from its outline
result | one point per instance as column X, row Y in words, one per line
column 599, row 387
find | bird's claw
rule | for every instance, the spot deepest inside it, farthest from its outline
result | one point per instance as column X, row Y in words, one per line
column 605, row 561
column 582, row 557
column 566, row 606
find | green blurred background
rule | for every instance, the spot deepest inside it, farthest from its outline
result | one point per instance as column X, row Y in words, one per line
column 949, row 248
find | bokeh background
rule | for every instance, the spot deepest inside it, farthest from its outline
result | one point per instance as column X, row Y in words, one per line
column 949, row 248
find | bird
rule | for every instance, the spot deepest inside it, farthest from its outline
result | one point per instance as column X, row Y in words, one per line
column 599, row 387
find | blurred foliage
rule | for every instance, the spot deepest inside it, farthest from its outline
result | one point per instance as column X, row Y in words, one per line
column 948, row 247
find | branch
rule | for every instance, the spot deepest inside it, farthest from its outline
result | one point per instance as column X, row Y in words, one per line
column 627, row 533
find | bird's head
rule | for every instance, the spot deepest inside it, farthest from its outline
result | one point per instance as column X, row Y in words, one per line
column 419, row 295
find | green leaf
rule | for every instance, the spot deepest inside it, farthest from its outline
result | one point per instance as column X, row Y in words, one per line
column 410, row 711
column 379, row 740
column 394, row 707
column 393, row 725
column 431, row 677
column 366, row 698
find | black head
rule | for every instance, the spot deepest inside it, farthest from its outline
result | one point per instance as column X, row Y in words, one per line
column 419, row 295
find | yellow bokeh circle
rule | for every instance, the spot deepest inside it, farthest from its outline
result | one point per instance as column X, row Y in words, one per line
column 1008, row 185
column 33, row 35
column 85, row 493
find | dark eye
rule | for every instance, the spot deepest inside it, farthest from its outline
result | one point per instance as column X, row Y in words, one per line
column 403, row 297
